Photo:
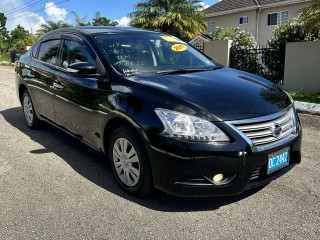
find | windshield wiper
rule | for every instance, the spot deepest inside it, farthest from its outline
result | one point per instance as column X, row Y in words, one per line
column 187, row 70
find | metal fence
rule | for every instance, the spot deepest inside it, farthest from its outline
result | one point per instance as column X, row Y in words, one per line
column 199, row 46
column 267, row 62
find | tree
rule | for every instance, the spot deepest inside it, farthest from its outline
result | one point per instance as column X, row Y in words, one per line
column 3, row 46
column 50, row 25
column 3, row 30
column 311, row 16
column 102, row 21
column 182, row 18
column 98, row 20
column 3, row 33
column 19, row 38
column 80, row 21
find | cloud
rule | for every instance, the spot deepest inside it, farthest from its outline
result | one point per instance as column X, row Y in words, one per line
column 55, row 13
column 124, row 21
column 26, row 19
column 204, row 5
column 31, row 22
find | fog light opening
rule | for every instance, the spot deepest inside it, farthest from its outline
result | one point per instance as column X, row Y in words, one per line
column 217, row 178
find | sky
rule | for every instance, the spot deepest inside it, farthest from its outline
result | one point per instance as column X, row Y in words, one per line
column 32, row 13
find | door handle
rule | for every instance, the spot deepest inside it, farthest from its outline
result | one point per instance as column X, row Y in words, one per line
column 58, row 85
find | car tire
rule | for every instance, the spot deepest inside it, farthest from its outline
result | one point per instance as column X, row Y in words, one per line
column 129, row 162
column 30, row 115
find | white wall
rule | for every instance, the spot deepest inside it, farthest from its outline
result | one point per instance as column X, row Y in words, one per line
column 219, row 51
column 232, row 20
column 302, row 67
column 265, row 31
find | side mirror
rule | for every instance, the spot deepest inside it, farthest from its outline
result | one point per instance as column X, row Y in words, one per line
column 82, row 68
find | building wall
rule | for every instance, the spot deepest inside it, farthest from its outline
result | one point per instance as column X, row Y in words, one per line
column 265, row 31
column 218, row 51
column 302, row 67
column 232, row 20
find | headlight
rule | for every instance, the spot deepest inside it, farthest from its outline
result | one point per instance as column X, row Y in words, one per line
column 186, row 127
column 295, row 122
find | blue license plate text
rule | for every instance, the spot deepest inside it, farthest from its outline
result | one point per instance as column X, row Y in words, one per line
column 278, row 160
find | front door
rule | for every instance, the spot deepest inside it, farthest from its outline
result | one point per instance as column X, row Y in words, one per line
column 76, row 97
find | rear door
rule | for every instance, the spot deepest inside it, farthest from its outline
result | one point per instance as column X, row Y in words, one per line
column 76, row 97
column 40, row 73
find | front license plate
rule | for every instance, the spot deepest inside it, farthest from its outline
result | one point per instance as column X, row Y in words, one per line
column 278, row 160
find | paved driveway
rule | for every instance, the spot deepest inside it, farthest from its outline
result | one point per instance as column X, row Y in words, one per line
column 54, row 187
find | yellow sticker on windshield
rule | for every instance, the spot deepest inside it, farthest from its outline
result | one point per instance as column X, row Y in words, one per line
column 170, row 39
column 179, row 47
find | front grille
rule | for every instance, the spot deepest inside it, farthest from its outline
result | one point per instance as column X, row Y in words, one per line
column 266, row 132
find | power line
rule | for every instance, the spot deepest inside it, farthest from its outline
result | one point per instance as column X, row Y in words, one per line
column 7, row 8
column 21, row 4
column 12, row 2
column 24, row 7
column 55, row 4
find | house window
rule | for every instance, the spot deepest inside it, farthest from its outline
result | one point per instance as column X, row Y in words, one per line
column 283, row 17
column 243, row 20
column 210, row 27
column 278, row 18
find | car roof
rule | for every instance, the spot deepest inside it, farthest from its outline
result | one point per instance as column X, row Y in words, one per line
column 91, row 30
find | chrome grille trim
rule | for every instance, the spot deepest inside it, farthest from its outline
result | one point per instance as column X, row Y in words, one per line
column 260, row 132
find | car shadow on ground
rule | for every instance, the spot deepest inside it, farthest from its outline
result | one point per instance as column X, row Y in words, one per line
column 92, row 165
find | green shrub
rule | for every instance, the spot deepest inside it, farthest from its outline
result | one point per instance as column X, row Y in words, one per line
column 243, row 58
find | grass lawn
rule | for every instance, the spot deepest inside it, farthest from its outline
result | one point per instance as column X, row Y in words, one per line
column 305, row 97
column 5, row 57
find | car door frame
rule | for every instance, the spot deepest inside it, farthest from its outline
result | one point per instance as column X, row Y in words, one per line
column 40, row 80
column 66, row 108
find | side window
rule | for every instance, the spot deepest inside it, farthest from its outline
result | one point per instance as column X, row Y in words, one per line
column 73, row 52
column 48, row 51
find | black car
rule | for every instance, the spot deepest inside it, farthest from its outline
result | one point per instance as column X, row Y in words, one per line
column 164, row 114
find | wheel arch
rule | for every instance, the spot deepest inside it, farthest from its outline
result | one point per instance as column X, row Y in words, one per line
column 116, row 122
column 21, row 90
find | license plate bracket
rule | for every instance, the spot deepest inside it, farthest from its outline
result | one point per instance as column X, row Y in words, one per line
column 278, row 160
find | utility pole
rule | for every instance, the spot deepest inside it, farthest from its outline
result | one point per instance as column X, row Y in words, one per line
column 32, row 36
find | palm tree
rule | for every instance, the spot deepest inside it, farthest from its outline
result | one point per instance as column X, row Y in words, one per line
column 80, row 21
column 50, row 25
column 311, row 16
column 182, row 18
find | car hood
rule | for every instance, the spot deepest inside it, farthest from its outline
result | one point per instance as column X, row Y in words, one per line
column 226, row 93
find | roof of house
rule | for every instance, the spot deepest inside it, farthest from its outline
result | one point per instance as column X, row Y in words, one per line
column 262, row 2
column 205, row 37
column 226, row 5
column 233, row 5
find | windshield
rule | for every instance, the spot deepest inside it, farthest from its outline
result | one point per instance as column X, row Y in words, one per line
column 151, row 53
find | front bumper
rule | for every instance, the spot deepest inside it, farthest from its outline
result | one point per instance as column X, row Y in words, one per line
column 187, row 169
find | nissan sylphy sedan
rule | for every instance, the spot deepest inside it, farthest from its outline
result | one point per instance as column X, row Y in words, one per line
column 165, row 115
